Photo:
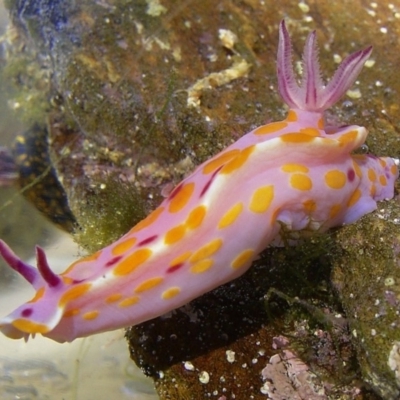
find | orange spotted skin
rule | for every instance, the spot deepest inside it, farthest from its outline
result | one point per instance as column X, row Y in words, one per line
column 210, row 228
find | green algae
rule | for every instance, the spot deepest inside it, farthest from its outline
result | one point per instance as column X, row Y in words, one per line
column 367, row 278
column 102, row 224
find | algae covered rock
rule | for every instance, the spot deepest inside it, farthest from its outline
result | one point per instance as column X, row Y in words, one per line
column 367, row 277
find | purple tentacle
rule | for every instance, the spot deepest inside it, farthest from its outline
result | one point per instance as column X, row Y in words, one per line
column 312, row 94
column 31, row 274
column 47, row 274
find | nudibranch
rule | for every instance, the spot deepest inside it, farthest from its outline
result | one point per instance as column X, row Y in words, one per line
column 297, row 173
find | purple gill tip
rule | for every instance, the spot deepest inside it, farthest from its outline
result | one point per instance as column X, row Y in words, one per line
column 311, row 82
column 30, row 273
column 47, row 274
column 312, row 95
column 288, row 87
column 345, row 76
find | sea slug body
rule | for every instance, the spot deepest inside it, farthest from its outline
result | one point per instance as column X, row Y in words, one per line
column 297, row 173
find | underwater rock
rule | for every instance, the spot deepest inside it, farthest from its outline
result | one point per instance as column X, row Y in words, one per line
column 8, row 169
column 221, row 343
column 367, row 278
column 38, row 179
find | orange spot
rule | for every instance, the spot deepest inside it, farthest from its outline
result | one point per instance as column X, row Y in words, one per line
column 334, row 211
column 321, row 123
column 372, row 190
column 90, row 315
column 242, row 259
column 72, row 312
column 296, row 137
column 129, row 301
column 382, row 180
column 309, row 206
column 357, row 169
column 261, row 199
column 348, row 137
column 393, row 169
column 73, row 293
column 112, row 298
column 202, row 266
column 220, row 160
column 71, row 267
column 230, row 216
column 382, row 162
column 29, row 327
column 181, row 198
column 121, row 247
column 175, row 234
column 130, row 263
column 354, row 198
column 238, row 161
column 335, row 179
column 67, row 280
column 170, row 293
column 148, row 284
column 292, row 116
column 196, row 217
column 294, row 168
column 149, row 220
column 181, row 259
column 206, row 251
column 300, row 182
column 38, row 295
column 371, row 175
column 310, row 131
column 92, row 257
column 271, row 128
